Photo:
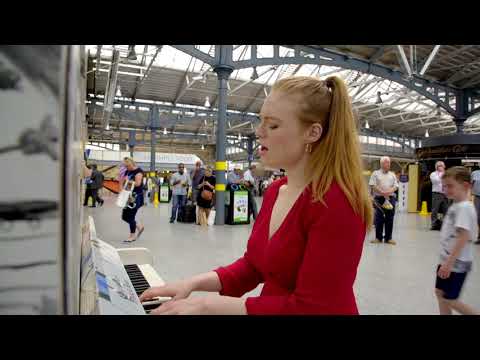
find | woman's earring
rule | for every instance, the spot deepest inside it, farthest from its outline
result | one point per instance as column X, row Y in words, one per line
column 308, row 148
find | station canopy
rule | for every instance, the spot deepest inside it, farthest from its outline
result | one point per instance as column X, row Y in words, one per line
column 165, row 75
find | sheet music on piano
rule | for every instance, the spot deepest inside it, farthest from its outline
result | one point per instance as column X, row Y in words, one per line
column 105, row 285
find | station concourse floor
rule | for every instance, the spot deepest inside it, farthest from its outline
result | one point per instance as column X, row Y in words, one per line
column 391, row 280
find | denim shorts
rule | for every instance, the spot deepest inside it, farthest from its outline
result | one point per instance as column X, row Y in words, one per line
column 452, row 285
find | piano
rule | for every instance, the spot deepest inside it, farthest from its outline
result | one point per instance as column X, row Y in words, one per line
column 111, row 280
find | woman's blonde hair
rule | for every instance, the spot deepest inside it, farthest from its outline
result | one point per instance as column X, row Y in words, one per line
column 130, row 161
column 336, row 156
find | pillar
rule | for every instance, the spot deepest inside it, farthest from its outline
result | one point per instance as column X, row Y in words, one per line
column 223, row 70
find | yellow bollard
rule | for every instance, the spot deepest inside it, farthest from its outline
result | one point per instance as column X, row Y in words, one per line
column 155, row 199
column 424, row 211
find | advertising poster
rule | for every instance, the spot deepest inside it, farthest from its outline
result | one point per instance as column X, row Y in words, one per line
column 240, row 207
column 163, row 193
column 402, row 193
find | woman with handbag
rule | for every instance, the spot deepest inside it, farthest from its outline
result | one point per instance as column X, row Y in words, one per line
column 205, row 196
column 134, row 177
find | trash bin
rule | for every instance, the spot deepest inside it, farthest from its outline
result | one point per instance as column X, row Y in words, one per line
column 237, row 205
column 164, row 193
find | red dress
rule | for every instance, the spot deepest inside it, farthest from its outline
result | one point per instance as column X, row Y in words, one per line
column 310, row 263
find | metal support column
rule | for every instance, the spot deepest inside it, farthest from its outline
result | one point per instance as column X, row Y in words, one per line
column 154, row 123
column 223, row 54
column 250, row 150
column 131, row 142
column 461, row 113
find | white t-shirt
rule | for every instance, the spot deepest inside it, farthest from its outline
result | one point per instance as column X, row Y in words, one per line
column 179, row 189
column 459, row 215
column 476, row 182
column 436, row 178
column 383, row 180
column 248, row 177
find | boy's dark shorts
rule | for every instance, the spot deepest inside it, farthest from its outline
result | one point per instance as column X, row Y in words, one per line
column 452, row 285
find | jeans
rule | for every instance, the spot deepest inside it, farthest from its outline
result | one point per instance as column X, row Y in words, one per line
column 195, row 192
column 384, row 217
column 439, row 204
column 89, row 192
column 252, row 204
column 128, row 214
column 178, row 203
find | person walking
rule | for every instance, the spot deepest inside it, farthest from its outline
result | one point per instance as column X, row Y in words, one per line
column 97, row 185
column 134, row 176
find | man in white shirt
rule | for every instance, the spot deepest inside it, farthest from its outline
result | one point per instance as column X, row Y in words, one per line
column 179, row 182
column 384, row 183
column 249, row 183
column 439, row 200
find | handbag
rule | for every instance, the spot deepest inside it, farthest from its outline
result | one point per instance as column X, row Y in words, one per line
column 124, row 195
column 205, row 194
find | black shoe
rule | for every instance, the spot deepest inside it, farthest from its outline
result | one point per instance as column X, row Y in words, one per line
column 477, row 242
column 172, row 221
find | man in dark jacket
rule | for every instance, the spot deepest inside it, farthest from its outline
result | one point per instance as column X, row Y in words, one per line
column 97, row 185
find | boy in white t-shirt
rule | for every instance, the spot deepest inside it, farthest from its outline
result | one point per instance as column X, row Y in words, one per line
column 459, row 229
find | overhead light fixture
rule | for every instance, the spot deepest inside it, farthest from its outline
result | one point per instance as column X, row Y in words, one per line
column 426, row 133
column 379, row 98
column 254, row 74
column 198, row 77
column 132, row 55
column 164, row 131
column 239, row 136
column 207, row 102
column 119, row 93
column 367, row 125
column 107, row 127
column 205, row 122
column 203, row 147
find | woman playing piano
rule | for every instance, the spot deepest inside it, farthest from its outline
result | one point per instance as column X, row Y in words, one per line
column 307, row 241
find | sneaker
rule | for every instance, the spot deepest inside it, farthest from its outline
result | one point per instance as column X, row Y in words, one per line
column 391, row 242
column 376, row 241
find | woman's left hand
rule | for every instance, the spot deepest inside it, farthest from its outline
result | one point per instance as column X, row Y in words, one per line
column 205, row 305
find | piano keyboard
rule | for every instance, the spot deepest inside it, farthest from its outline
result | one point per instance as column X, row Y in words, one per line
column 143, row 277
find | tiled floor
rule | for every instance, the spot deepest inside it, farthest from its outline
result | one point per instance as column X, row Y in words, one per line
column 391, row 279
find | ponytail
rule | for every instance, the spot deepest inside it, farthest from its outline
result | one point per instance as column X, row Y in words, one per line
column 336, row 156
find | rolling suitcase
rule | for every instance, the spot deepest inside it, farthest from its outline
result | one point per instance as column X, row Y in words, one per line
column 187, row 215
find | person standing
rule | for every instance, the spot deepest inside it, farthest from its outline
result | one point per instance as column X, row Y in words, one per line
column 475, row 180
column 195, row 179
column 133, row 175
column 384, row 184
column 179, row 182
column 205, row 201
column 249, row 182
column 459, row 230
column 439, row 200
column 235, row 176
